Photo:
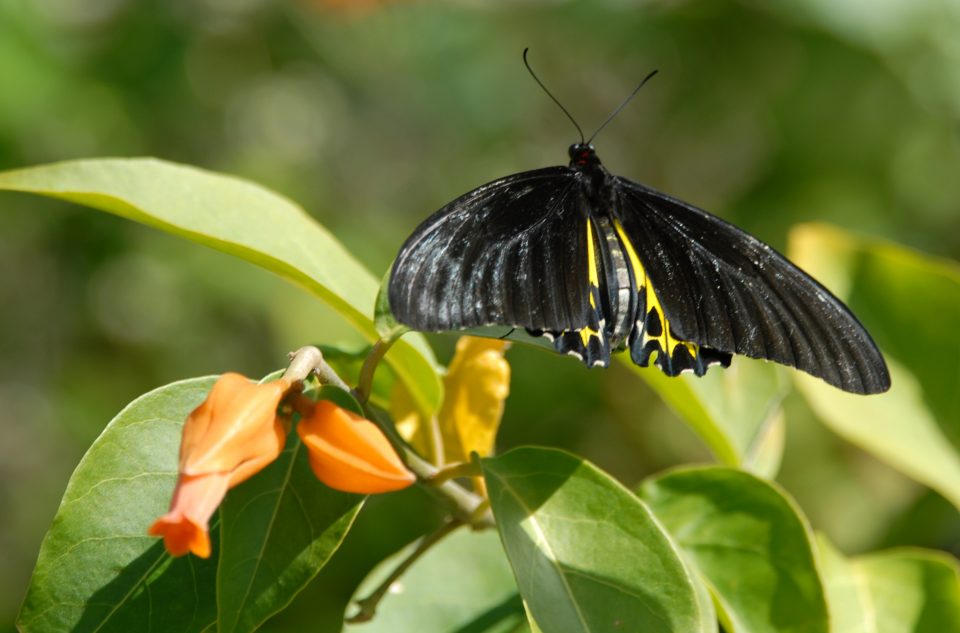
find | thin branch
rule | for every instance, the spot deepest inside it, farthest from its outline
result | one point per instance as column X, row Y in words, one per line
column 455, row 471
column 365, row 381
column 368, row 605
column 302, row 362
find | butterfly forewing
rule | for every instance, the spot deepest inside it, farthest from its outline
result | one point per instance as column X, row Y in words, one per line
column 503, row 254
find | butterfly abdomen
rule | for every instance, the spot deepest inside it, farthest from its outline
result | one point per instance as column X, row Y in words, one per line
column 619, row 288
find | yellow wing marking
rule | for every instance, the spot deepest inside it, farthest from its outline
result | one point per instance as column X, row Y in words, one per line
column 592, row 266
column 594, row 278
column 667, row 343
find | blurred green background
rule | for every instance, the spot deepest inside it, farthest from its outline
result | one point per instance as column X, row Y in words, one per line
column 372, row 115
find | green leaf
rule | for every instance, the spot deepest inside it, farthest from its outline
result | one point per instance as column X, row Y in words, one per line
column 748, row 541
column 98, row 569
column 896, row 426
column 909, row 303
column 336, row 395
column 708, row 610
column 733, row 410
column 278, row 529
column 897, row 591
column 348, row 363
column 766, row 453
column 586, row 552
column 242, row 219
column 912, row 590
column 387, row 326
column 841, row 590
column 463, row 583
column 532, row 625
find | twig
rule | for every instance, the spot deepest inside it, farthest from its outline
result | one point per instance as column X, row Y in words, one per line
column 368, row 605
column 302, row 362
column 365, row 381
column 455, row 471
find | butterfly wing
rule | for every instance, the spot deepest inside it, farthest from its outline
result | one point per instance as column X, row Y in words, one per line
column 723, row 288
column 507, row 253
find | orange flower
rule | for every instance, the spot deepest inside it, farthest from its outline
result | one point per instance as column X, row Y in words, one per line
column 231, row 436
column 184, row 528
column 350, row 453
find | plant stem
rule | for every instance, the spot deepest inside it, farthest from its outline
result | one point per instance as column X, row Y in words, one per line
column 302, row 362
column 368, row 605
column 365, row 382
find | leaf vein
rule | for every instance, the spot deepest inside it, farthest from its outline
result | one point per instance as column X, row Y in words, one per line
column 541, row 536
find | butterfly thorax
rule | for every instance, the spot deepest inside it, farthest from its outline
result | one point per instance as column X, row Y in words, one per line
column 597, row 181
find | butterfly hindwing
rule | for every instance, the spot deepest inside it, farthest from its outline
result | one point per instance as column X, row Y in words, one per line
column 625, row 311
column 726, row 290
column 590, row 341
column 500, row 255
column 643, row 323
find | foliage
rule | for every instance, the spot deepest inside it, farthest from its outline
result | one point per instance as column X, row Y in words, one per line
column 586, row 553
column 808, row 111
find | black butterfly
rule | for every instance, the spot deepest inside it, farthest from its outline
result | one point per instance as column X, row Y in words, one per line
column 599, row 263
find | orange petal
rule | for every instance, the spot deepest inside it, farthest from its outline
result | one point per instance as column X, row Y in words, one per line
column 235, row 424
column 184, row 527
column 269, row 447
column 350, row 453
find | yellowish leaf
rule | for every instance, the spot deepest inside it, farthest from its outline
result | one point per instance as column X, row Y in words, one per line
column 475, row 387
column 409, row 423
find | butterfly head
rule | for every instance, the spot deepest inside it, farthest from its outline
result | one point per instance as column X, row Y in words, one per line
column 582, row 154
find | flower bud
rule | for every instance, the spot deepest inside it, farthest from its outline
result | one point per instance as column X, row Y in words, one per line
column 349, row 453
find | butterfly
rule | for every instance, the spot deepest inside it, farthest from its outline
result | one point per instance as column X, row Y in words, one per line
column 598, row 263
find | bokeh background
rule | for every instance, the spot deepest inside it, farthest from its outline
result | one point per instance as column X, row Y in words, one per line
column 372, row 115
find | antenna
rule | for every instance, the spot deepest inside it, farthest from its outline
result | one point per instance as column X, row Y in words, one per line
column 620, row 107
column 560, row 105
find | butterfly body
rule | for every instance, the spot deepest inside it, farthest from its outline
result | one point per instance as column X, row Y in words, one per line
column 598, row 263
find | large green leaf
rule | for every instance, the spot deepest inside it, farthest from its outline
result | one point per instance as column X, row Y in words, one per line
column 240, row 218
column 98, row 569
column 277, row 530
column 898, row 591
column 586, row 552
column 735, row 411
column 749, row 542
column 463, row 583
column 910, row 303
